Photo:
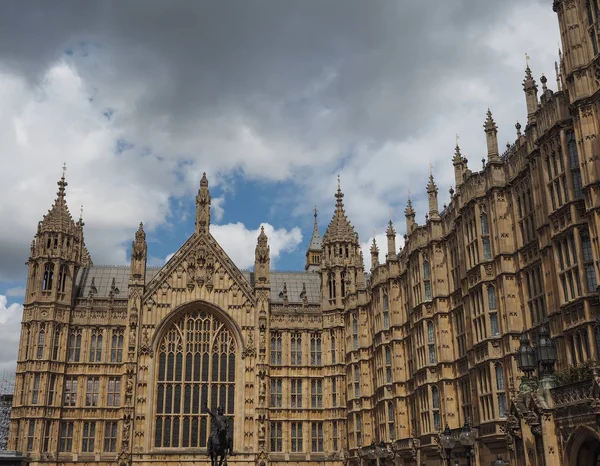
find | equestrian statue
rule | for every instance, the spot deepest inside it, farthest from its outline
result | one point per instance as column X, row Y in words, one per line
column 219, row 441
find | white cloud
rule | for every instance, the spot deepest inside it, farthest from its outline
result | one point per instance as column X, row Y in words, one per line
column 16, row 291
column 239, row 242
column 10, row 332
column 168, row 257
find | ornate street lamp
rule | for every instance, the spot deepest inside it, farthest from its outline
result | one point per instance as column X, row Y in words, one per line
column 546, row 352
column 525, row 356
column 447, row 441
column 467, row 438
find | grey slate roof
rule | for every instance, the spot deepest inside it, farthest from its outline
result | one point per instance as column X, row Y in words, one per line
column 103, row 276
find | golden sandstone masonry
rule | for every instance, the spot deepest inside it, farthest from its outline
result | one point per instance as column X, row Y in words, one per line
column 312, row 367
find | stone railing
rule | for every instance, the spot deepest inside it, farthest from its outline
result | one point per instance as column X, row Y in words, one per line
column 573, row 393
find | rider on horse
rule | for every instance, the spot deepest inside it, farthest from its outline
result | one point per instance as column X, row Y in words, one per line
column 220, row 422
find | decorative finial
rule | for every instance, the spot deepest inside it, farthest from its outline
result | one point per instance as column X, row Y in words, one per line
column 430, row 169
column 315, row 212
column 409, row 193
column 390, row 212
column 81, row 213
column 527, row 58
column 64, row 169
column 457, row 138
column 339, row 184
column 518, row 126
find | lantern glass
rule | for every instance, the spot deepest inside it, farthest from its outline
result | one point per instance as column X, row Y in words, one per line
column 525, row 355
column 447, row 440
column 467, row 436
column 546, row 347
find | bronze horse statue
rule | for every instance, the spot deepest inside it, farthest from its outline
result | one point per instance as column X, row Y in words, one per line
column 219, row 443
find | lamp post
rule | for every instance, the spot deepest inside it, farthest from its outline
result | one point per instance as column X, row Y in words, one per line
column 447, row 442
column 500, row 462
column 467, row 438
column 543, row 356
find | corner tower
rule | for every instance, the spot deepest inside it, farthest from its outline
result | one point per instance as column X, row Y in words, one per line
column 315, row 248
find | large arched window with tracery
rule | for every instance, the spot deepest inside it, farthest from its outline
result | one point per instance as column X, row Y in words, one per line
column 195, row 364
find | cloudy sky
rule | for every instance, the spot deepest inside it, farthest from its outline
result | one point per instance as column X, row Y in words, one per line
column 272, row 99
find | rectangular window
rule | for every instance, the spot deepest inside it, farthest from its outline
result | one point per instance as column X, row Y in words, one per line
column 355, row 332
column 315, row 349
column 276, row 349
column 358, row 429
column 74, row 346
column 91, row 395
column 334, row 392
column 333, row 355
column 110, row 436
column 356, row 382
column 316, row 393
column 296, row 393
column 70, row 391
column 297, row 437
column 501, row 405
column 494, row 324
column 31, row 434
column 96, row 346
column 36, row 389
column 116, row 346
column 590, row 275
column 336, row 436
column 487, row 249
column 66, row 436
column 47, row 430
column 296, row 347
column 276, row 436
column 88, row 436
column 56, row 345
column 428, row 290
column 40, row 345
column 114, row 392
column 317, row 436
column 276, row 393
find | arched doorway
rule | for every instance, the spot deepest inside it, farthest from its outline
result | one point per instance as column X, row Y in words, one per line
column 195, row 364
column 583, row 447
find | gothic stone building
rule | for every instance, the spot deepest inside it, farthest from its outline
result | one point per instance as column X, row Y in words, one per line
column 115, row 363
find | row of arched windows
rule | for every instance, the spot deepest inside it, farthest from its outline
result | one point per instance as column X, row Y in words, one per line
column 48, row 277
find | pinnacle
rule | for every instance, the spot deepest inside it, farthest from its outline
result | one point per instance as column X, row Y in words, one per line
column 204, row 181
column 457, row 155
column 58, row 217
column 490, row 124
column 374, row 247
column 390, row 229
column 409, row 208
column 340, row 228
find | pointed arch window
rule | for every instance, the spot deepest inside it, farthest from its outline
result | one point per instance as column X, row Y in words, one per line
column 296, row 349
column 332, row 290
column 195, row 364
column 56, row 345
column 116, row 346
column 74, row 345
column 48, row 277
column 40, row 343
column 391, row 420
column 96, row 346
column 276, row 349
column 427, row 278
column 333, row 349
column 435, row 402
column 358, row 429
column 431, row 342
column 356, row 381
column 500, row 390
column 492, row 305
column 343, row 284
column 62, row 278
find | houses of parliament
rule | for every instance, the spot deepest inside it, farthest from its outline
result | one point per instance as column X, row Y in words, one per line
column 334, row 364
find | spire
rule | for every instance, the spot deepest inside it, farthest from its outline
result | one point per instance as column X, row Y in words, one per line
column 531, row 98
column 58, row 219
column 432, row 191
column 262, row 258
column 410, row 216
column 491, row 131
column 391, row 241
column 315, row 248
column 459, row 166
column 374, row 253
column 203, row 206
column 340, row 229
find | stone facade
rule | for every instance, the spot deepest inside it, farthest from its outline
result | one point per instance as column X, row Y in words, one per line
column 115, row 363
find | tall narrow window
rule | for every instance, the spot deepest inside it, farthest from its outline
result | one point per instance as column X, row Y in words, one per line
column 276, row 429
column 116, row 346
column 332, row 290
column 296, row 393
column 388, row 365
column 355, row 331
column 31, row 434
column 56, row 345
column 435, row 398
column 391, row 421
column 96, row 346
column 66, row 436
column 485, row 236
column 500, row 391
column 427, row 278
column 276, row 349
column 47, row 430
column 74, row 345
column 358, row 429
column 40, row 344
column 91, row 395
column 48, row 277
column 51, row 389
column 276, row 393
column 296, row 350
column 386, row 310
column 315, row 349
column 491, row 291
column 343, row 285
column 334, row 392
column 588, row 262
column 88, row 436
column 316, row 393
column 333, row 355
column 317, row 436
column 114, row 392
column 297, row 437
column 62, row 278
column 431, row 342
column 110, row 436
column 35, row 393
column 356, row 381
column 335, row 435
